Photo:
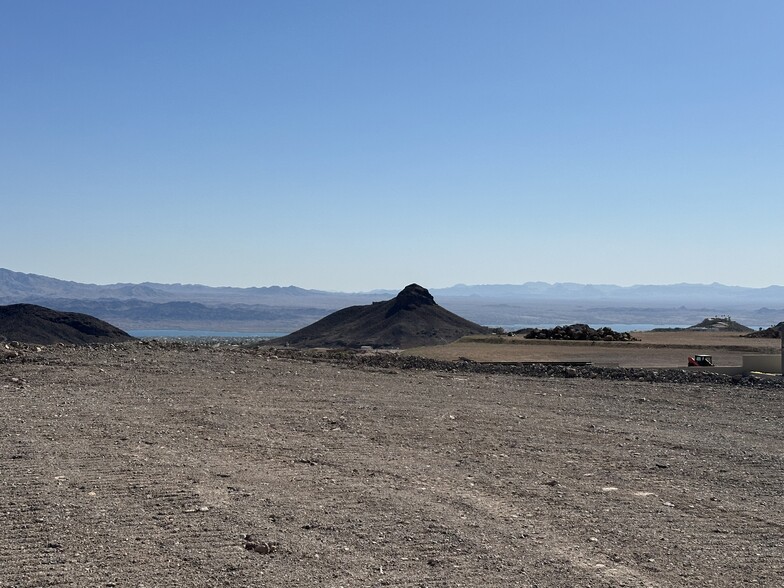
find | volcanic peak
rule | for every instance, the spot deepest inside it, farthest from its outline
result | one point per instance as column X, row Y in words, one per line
column 410, row 319
column 409, row 298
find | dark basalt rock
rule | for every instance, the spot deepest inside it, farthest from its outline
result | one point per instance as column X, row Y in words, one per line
column 578, row 332
column 411, row 297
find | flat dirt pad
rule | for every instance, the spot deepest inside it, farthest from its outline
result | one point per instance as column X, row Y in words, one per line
column 146, row 465
column 652, row 350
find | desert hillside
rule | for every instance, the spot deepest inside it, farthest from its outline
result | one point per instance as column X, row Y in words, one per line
column 410, row 319
column 30, row 323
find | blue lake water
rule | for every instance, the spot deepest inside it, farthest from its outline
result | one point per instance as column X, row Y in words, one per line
column 179, row 334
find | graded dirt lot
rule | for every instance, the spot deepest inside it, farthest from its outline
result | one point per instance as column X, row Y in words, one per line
column 147, row 464
column 650, row 350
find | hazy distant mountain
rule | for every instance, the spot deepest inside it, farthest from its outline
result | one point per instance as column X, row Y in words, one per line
column 679, row 293
column 273, row 309
column 286, row 309
column 14, row 285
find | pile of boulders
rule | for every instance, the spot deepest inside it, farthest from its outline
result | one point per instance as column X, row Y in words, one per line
column 578, row 332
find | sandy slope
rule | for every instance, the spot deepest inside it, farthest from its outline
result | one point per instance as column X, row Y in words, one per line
column 144, row 465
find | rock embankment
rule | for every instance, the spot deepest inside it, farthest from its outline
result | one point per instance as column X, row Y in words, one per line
column 773, row 332
column 578, row 332
column 21, row 353
column 393, row 361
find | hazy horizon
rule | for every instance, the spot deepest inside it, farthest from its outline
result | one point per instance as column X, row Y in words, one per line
column 354, row 146
column 402, row 285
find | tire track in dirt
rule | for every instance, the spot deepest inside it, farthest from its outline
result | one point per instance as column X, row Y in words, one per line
column 150, row 472
column 27, row 550
column 128, row 505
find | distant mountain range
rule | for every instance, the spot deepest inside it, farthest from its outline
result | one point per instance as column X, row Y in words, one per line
column 286, row 309
column 671, row 294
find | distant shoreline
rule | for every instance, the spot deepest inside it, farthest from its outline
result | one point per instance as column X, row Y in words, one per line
column 202, row 334
column 198, row 334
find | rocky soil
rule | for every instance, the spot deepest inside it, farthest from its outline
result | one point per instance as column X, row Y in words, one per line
column 152, row 464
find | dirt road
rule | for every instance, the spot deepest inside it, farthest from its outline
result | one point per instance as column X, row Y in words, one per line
column 146, row 465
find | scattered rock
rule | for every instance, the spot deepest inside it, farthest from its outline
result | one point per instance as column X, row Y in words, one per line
column 262, row 547
column 8, row 353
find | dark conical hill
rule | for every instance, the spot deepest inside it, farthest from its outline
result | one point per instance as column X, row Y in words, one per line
column 30, row 323
column 411, row 319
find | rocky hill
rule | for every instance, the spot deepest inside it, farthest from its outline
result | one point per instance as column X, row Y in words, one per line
column 411, row 319
column 29, row 323
column 720, row 323
column 773, row 332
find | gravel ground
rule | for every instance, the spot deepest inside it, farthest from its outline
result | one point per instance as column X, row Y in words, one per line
column 152, row 464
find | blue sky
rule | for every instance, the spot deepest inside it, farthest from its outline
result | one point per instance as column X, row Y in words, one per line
column 367, row 144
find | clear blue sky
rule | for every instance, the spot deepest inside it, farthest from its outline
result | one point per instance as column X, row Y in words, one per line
column 370, row 144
